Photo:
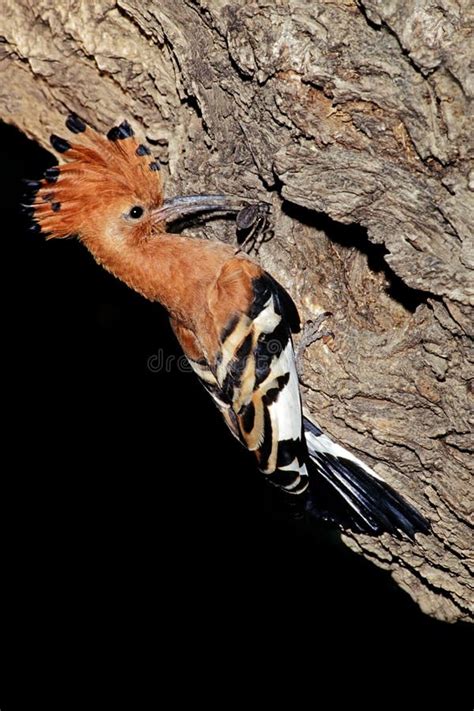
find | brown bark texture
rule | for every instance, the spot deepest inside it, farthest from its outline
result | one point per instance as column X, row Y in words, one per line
column 352, row 119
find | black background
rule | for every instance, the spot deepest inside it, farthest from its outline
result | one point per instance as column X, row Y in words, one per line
column 139, row 547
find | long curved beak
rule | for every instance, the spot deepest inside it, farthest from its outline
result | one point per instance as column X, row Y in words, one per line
column 177, row 208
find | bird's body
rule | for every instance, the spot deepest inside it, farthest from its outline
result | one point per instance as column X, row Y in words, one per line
column 233, row 320
column 229, row 318
column 249, row 368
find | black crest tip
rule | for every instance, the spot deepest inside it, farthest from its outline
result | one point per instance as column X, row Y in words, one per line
column 59, row 144
column 75, row 124
column 51, row 174
column 126, row 129
column 143, row 150
column 118, row 133
column 113, row 133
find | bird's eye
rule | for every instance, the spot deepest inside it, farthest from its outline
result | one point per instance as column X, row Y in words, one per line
column 135, row 212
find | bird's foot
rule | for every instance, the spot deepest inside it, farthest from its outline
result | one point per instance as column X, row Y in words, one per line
column 312, row 332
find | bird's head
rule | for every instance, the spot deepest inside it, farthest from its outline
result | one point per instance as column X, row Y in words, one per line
column 109, row 191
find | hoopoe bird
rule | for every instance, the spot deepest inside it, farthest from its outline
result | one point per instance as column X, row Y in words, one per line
column 233, row 321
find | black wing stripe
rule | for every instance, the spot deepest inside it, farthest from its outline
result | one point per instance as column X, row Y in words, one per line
column 286, row 306
column 236, row 368
column 270, row 346
column 266, row 286
column 229, row 328
column 289, row 450
column 262, row 292
column 266, row 449
column 248, row 417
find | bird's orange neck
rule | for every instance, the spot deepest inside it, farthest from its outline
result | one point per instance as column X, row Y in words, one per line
column 173, row 270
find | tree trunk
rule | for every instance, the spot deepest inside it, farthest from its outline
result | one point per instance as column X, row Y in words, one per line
column 352, row 119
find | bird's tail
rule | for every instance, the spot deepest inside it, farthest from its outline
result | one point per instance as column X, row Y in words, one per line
column 348, row 492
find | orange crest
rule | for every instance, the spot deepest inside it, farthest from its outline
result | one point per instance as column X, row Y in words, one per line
column 100, row 170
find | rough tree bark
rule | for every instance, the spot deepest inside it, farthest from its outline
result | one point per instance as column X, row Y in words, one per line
column 352, row 119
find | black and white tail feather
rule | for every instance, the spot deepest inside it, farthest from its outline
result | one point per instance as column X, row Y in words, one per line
column 344, row 490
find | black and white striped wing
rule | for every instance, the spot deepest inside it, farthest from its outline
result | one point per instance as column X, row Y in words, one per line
column 257, row 379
